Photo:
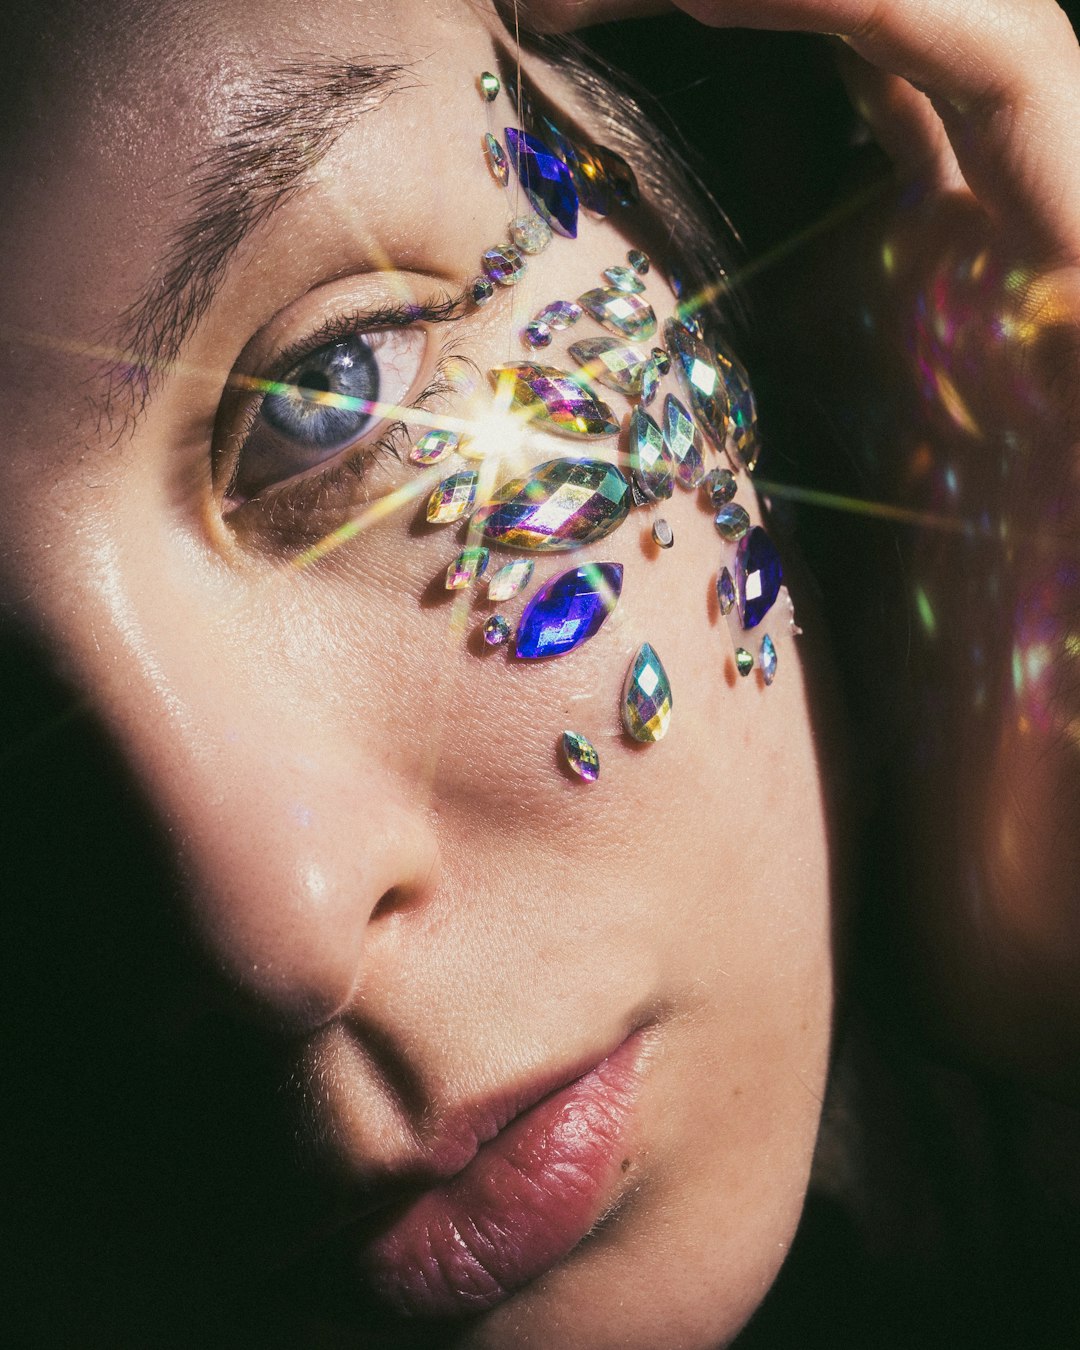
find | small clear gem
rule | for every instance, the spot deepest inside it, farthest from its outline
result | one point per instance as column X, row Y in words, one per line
column 581, row 756
column 646, row 700
column 701, row 380
column 510, row 579
column 433, row 446
column 725, row 591
column 469, row 565
column 639, row 261
column 504, row 264
column 732, row 521
column 758, row 576
column 560, row 314
column 721, row 485
column 452, row 498
column 663, row 361
column 482, row 291
column 568, row 610
column 624, row 279
column 496, row 159
column 546, row 180
column 496, row 631
column 562, row 504
column 767, row 659
column 489, row 86
column 650, row 459
column 558, row 400
column 536, row 334
column 662, row 533
column 611, row 362
column 530, row 233
column 627, row 315
column 683, row 442
column 744, row 662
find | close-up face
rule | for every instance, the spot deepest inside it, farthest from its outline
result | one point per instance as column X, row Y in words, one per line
column 552, row 1049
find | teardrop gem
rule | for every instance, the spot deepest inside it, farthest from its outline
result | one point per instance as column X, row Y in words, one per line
column 758, row 576
column 469, row 565
column 742, row 422
column 725, row 592
column 536, row 334
column 433, row 446
column 767, row 659
column 628, row 315
column 558, row 400
column 683, row 443
column 581, row 756
column 650, row 459
column 511, row 578
column 496, row 159
column 611, row 362
column 452, row 498
column 624, row 279
column 646, row 701
column 546, row 180
column 732, row 521
column 568, row 610
column 701, row 381
column 561, row 504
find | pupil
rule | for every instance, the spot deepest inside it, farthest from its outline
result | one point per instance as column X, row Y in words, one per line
column 314, row 381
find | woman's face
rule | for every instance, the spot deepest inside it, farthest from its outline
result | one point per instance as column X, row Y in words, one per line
column 383, row 863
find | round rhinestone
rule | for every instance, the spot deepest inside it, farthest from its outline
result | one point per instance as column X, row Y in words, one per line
column 482, row 291
column 496, row 631
column 530, row 233
column 536, row 334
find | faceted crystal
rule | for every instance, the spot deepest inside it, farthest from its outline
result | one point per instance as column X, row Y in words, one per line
column 742, row 423
column 637, row 496
column 469, row 565
column 701, row 381
column 744, row 662
column 562, row 504
column 683, row 443
column 639, row 261
column 732, row 521
column 489, row 86
column 721, row 485
column 530, row 233
column 558, row 400
column 581, row 756
column 496, row 159
column 560, row 314
column 624, row 279
column 511, row 578
column 767, row 659
column 482, row 291
column 650, row 382
column 629, row 315
column 646, row 700
column 662, row 533
column 725, row 592
column 586, row 171
column 568, row 610
column 536, row 334
column 546, row 180
column 503, row 264
column 452, row 498
column 496, row 631
column 619, row 175
column 611, row 362
column 662, row 360
column 433, row 446
column 650, row 459
column 758, row 576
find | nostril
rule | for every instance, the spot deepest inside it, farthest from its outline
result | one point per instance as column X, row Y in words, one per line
column 395, row 901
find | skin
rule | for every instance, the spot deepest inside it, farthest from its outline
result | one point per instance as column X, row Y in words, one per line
column 381, row 869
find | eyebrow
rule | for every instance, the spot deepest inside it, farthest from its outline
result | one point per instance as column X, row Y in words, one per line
column 281, row 129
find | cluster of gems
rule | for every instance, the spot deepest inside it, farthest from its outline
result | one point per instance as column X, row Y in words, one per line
column 566, row 503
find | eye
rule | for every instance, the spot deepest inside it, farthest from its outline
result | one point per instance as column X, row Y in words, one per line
column 324, row 403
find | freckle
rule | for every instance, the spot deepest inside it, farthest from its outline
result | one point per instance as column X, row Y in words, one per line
column 737, row 1092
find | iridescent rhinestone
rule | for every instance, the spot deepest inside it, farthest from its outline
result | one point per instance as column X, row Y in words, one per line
column 639, row 261
column 701, row 380
column 619, row 175
column 560, row 314
column 758, row 576
column 611, row 362
column 624, row 279
column 650, row 382
column 725, row 591
column 536, row 334
column 663, row 361
column 496, row 631
column 546, row 180
column 732, row 521
column 744, row 662
column 721, row 485
column 510, row 579
column 628, row 315
column 581, row 756
column 482, row 291
column 433, row 446
column 650, row 459
column 469, row 565
column 662, row 533
column 452, row 498
column 558, row 400
column 489, row 86
column 496, row 159
column 767, row 659
column 646, row 700
column 637, row 495
column 530, row 233
column 742, row 422
column 568, row 610
column 683, row 443
column 503, row 264
column 562, row 504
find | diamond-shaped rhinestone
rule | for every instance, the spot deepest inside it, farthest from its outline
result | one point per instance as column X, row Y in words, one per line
column 559, row 401
column 562, row 504
column 581, row 756
column 646, row 700
column 496, row 631
column 433, row 446
column 744, row 662
column 683, row 442
column 452, row 498
column 611, row 362
column 546, row 180
column 469, row 565
column 568, row 610
column 496, row 159
column 701, row 381
column 629, row 315
column 650, row 459
column 510, row 579
column 767, row 659
column 560, row 314
column 725, row 591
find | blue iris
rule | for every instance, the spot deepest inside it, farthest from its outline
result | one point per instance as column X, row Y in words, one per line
column 348, row 368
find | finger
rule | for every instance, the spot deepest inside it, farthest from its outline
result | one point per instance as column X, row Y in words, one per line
column 562, row 16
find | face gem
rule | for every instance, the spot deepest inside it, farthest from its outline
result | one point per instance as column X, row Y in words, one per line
column 732, row 521
column 530, row 233
column 536, row 334
column 758, row 576
column 496, row 631
column 581, row 756
column 744, row 662
column 725, row 592
column 558, row 400
column 452, row 499
column 503, row 264
column 496, row 159
column 510, row 579
column 683, row 443
column 637, row 496
column 662, row 533
column 489, row 86
column 546, row 180
column 650, row 459
column 560, row 314
column 568, row 610
column 721, row 485
column 469, row 565
column 639, row 261
column 624, row 279
column 646, row 700
column 701, row 381
column 594, row 195
column 482, row 291
column 663, row 361
column 650, row 382
column 742, row 424
column 767, row 659
column 628, row 315
column 612, row 363
column 619, row 175
column 560, row 505
column 433, row 446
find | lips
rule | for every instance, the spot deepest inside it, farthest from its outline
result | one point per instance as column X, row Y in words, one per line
column 526, row 1199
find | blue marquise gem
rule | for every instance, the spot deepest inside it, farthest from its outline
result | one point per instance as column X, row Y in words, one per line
column 569, row 610
column 758, row 576
column 546, row 180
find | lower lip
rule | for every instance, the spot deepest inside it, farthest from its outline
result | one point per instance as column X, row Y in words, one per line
column 525, row 1200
